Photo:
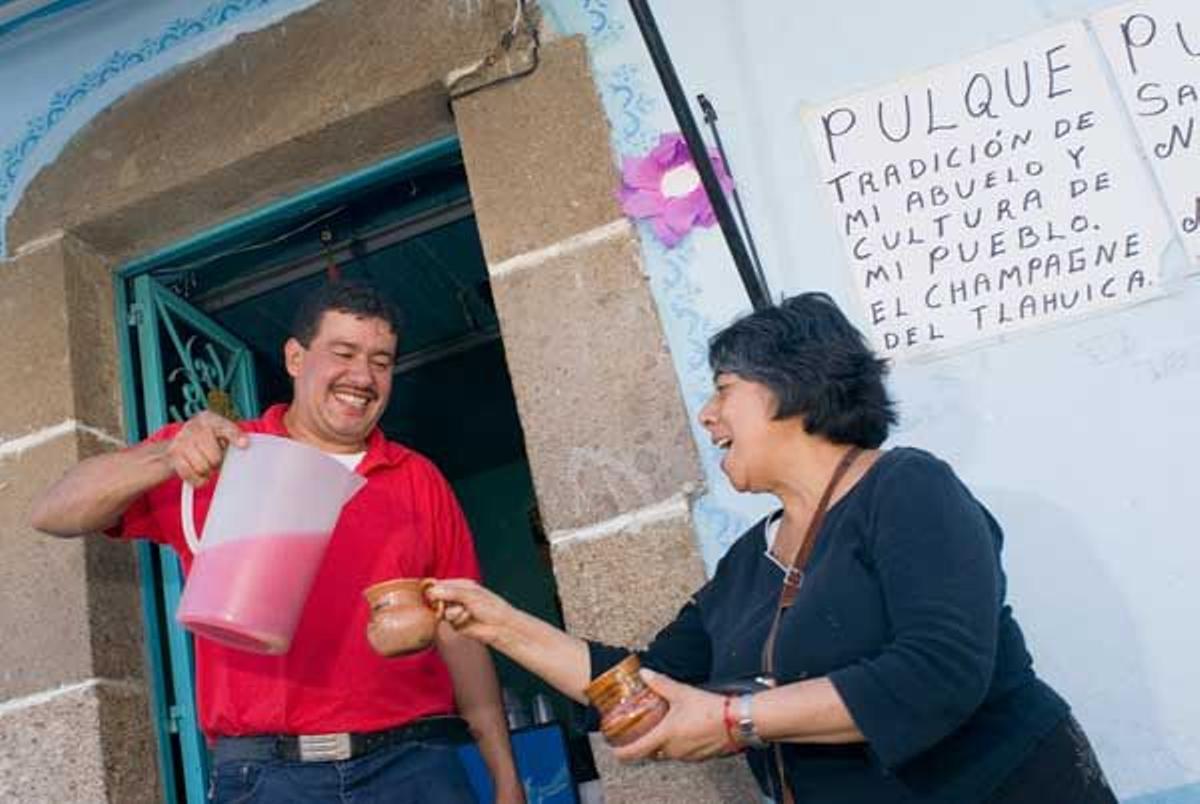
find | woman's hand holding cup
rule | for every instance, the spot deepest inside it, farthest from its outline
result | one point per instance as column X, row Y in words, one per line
column 472, row 610
column 692, row 730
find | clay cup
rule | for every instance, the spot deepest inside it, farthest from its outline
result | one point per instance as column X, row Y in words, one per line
column 403, row 619
column 628, row 707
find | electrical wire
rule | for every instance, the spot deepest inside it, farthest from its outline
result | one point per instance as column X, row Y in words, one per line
column 175, row 270
column 505, row 44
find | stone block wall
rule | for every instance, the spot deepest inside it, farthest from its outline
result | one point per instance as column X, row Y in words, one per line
column 613, row 462
column 74, row 714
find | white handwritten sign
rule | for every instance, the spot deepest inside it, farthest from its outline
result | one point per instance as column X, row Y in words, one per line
column 1153, row 47
column 986, row 197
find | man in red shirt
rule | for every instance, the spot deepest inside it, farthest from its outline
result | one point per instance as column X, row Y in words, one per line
column 393, row 719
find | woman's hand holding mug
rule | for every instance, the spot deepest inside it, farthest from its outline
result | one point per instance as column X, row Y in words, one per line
column 472, row 610
column 693, row 729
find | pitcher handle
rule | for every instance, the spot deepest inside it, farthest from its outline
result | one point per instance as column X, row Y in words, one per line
column 187, row 500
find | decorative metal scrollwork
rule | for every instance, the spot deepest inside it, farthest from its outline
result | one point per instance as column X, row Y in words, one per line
column 202, row 381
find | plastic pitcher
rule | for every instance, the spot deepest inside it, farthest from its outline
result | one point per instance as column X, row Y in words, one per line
column 274, row 508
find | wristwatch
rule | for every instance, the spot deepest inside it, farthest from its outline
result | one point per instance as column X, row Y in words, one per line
column 746, row 733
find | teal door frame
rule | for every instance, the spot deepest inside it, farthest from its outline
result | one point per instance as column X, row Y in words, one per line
column 144, row 309
column 211, row 361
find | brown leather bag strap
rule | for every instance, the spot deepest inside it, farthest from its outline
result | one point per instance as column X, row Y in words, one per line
column 792, row 579
column 796, row 567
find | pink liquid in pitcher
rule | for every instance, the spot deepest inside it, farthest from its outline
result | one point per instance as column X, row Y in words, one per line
column 249, row 593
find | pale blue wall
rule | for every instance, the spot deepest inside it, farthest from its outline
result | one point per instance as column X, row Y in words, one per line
column 1076, row 436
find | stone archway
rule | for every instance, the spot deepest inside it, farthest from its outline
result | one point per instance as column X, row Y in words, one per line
column 349, row 83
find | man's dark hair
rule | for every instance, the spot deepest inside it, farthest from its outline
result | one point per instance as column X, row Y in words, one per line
column 353, row 296
column 818, row 366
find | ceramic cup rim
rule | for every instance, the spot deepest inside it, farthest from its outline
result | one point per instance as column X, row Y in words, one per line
column 376, row 593
column 376, row 590
column 631, row 664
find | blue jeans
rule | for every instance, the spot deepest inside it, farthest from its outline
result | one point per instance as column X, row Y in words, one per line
column 407, row 773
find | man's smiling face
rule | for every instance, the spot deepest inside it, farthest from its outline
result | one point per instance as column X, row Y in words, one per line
column 342, row 381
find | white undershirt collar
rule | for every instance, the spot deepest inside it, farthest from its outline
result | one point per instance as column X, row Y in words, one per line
column 348, row 459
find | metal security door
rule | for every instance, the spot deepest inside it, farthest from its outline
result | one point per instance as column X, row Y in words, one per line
column 184, row 362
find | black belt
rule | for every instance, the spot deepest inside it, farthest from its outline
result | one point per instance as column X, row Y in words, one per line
column 340, row 745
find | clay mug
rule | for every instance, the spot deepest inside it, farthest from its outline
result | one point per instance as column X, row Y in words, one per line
column 628, row 707
column 403, row 619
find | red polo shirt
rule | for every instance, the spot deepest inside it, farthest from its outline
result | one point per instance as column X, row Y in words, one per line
column 405, row 522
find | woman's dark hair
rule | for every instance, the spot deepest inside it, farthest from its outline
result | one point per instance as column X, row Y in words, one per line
column 818, row 366
column 358, row 298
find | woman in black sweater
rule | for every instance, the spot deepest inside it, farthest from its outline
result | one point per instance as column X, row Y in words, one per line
column 899, row 673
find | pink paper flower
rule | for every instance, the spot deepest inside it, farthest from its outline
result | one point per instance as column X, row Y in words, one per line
column 664, row 187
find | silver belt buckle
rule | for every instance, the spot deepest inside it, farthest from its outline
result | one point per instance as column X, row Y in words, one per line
column 324, row 747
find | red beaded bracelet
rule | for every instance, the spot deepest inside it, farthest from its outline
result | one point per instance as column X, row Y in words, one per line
column 732, row 746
